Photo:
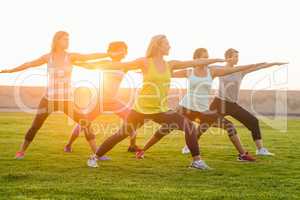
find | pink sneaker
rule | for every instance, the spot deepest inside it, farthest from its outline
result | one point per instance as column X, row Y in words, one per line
column 245, row 158
column 20, row 155
column 140, row 154
column 68, row 149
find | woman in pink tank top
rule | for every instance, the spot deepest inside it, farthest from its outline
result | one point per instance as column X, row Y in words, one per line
column 58, row 95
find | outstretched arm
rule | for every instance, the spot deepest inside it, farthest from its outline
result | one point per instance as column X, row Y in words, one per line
column 175, row 64
column 183, row 73
column 263, row 66
column 35, row 63
column 93, row 65
column 106, row 64
column 76, row 57
column 223, row 71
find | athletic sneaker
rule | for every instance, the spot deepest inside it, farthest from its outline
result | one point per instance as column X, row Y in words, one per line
column 199, row 164
column 185, row 150
column 264, row 152
column 20, row 155
column 92, row 161
column 67, row 149
column 245, row 158
column 139, row 154
column 103, row 158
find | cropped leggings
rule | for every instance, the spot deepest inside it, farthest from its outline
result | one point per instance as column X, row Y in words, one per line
column 169, row 121
column 114, row 106
column 46, row 107
column 239, row 113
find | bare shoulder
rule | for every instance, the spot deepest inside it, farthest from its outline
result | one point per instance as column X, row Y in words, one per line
column 45, row 57
column 73, row 55
column 142, row 62
column 172, row 63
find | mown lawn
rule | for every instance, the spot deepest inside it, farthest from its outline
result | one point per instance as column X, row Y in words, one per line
column 49, row 173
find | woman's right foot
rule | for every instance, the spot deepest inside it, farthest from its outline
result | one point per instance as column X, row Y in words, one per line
column 140, row 154
column 245, row 158
column 200, row 164
column 185, row 150
column 68, row 149
column 20, row 155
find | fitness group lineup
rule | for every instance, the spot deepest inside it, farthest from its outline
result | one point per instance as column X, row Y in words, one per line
column 151, row 102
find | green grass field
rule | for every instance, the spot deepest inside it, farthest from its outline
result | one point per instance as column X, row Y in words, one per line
column 49, row 173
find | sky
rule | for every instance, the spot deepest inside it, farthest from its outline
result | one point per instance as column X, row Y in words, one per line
column 262, row 30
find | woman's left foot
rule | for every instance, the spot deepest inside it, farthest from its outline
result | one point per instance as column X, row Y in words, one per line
column 264, row 152
column 185, row 150
column 103, row 158
column 92, row 162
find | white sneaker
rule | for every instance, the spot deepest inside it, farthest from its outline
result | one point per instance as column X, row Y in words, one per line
column 185, row 150
column 200, row 164
column 264, row 152
column 92, row 162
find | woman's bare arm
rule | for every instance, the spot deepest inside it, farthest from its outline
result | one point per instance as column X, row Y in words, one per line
column 263, row 66
column 106, row 64
column 35, row 63
column 77, row 57
column 217, row 71
column 181, row 73
column 175, row 64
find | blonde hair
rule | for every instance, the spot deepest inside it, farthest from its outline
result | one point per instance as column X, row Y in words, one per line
column 198, row 53
column 154, row 45
column 57, row 36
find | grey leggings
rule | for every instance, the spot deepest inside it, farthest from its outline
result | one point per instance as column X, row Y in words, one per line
column 239, row 113
column 169, row 121
column 46, row 107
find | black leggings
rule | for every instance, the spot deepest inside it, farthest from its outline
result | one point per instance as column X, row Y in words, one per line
column 206, row 119
column 169, row 121
column 239, row 113
column 46, row 107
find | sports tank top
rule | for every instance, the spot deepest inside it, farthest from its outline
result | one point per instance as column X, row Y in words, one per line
column 59, row 80
column 153, row 97
column 198, row 93
column 112, row 80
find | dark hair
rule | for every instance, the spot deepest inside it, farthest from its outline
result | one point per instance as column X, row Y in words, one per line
column 198, row 53
column 229, row 52
column 115, row 46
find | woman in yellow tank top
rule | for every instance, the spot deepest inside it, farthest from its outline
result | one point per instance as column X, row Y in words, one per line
column 151, row 103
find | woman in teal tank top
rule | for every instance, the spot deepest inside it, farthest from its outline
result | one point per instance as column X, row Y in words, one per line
column 151, row 103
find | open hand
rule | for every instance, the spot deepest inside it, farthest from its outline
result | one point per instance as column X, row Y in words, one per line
column 280, row 63
column 4, row 71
